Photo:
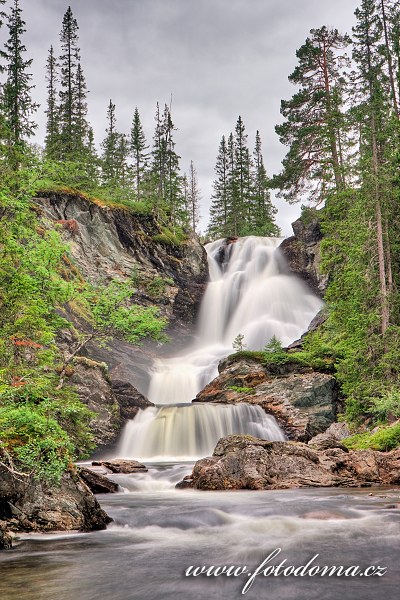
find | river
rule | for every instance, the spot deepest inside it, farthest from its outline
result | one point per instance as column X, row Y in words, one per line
column 158, row 532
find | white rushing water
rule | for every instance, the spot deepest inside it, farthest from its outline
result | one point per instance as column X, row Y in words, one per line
column 251, row 293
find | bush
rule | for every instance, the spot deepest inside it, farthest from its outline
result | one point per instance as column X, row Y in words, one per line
column 37, row 442
column 387, row 438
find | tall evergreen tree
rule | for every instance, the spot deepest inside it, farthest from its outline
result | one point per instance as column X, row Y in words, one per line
column 193, row 198
column 262, row 210
column 314, row 119
column 52, row 124
column 218, row 225
column 241, row 204
column 81, row 125
column 72, row 95
column 138, row 151
column 18, row 106
column 110, row 157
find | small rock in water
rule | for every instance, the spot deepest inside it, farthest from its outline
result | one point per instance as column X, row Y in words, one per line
column 118, row 465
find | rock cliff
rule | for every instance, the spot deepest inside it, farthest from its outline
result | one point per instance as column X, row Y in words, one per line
column 302, row 251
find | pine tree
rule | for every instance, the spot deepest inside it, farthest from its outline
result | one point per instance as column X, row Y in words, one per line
column 18, row 106
column 233, row 192
column 138, row 148
column 193, row 197
column 52, row 128
column 262, row 211
column 314, row 119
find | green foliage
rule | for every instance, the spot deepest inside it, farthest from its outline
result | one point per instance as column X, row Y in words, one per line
column 388, row 405
column 241, row 390
column 274, row 345
column 170, row 237
column 385, row 439
column 112, row 310
column 37, row 442
column 157, row 287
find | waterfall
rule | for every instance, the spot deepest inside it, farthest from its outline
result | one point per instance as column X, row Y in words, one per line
column 188, row 432
column 251, row 293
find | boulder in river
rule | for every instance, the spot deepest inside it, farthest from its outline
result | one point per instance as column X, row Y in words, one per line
column 97, row 483
column 244, row 462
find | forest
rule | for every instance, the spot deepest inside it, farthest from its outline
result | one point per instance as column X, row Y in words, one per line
column 341, row 130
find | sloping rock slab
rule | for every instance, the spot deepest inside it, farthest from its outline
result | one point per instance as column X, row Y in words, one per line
column 98, row 484
column 130, row 400
column 244, row 462
column 121, row 466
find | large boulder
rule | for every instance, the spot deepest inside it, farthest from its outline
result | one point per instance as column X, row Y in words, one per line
column 245, row 462
column 30, row 505
column 304, row 402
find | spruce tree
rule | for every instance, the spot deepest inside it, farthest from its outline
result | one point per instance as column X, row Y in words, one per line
column 52, row 124
column 18, row 106
column 193, row 198
column 72, row 95
column 138, row 152
column 218, row 225
column 313, row 125
column 110, row 147
column 262, row 210
column 241, row 205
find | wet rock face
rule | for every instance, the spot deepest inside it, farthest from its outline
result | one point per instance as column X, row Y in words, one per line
column 29, row 505
column 90, row 381
column 303, row 254
column 244, row 462
column 303, row 402
column 109, row 243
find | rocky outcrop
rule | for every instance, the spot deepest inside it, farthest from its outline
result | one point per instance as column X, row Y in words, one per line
column 130, row 401
column 331, row 438
column 304, row 402
column 303, row 253
column 244, row 462
column 115, row 243
column 29, row 505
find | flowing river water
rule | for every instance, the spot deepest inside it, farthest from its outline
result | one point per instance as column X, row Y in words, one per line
column 158, row 532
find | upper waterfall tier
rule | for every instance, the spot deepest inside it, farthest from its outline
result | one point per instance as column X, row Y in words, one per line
column 251, row 293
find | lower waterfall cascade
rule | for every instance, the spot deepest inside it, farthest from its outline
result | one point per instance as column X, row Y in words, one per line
column 250, row 293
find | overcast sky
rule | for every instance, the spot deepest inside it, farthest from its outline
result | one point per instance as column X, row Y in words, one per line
column 218, row 58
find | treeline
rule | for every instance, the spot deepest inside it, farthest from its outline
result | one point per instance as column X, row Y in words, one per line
column 124, row 167
column 342, row 130
column 241, row 202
